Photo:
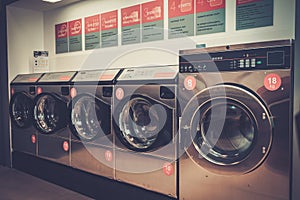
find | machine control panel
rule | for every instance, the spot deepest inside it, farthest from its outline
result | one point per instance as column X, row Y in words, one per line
column 278, row 57
column 27, row 78
column 149, row 73
column 96, row 75
column 57, row 77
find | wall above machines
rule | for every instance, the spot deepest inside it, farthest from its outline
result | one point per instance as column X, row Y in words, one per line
column 38, row 27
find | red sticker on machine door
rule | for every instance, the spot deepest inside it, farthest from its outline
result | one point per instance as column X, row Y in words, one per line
column 168, row 169
column 190, row 83
column 33, row 139
column 66, row 146
column 120, row 93
column 272, row 82
column 108, row 156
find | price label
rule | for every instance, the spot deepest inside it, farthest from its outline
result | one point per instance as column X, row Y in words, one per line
column 190, row 83
column 272, row 82
column 168, row 169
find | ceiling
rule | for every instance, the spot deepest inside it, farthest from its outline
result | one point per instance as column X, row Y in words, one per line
column 40, row 5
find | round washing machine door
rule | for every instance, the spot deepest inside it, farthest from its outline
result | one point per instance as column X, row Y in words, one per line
column 90, row 117
column 143, row 124
column 229, row 128
column 50, row 113
column 21, row 110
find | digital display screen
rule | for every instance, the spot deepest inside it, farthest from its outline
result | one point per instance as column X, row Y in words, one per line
column 276, row 58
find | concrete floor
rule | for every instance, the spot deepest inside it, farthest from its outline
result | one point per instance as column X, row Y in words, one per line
column 16, row 185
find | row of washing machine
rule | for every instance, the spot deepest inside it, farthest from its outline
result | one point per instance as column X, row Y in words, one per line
column 217, row 126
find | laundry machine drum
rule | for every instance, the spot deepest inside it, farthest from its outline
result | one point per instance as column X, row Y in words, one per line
column 90, row 117
column 21, row 110
column 50, row 113
column 229, row 128
column 141, row 123
column 236, row 138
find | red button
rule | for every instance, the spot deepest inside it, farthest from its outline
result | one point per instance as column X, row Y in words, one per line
column 12, row 91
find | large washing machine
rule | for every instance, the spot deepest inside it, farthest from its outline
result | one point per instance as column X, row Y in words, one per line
column 90, row 122
column 235, row 132
column 23, row 91
column 50, row 113
column 145, row 127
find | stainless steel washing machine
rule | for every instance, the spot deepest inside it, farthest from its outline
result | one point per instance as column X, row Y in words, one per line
column 50, row 113
column 145, row 127
column 235, row 130
column 23, row 91
column 90, row 122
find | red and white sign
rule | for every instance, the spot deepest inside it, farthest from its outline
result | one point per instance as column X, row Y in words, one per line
column 109, row 20
column 66, row 146
column 153, row 11
column 75, row 27
column 92, row 24
column 179, row 8
column 120, row 93
column 190, row 83
column 168, row 169
column 209, row 5
column 240, row 2
column 33, row 139
column 131, row 15
column 108, row 156
column 61, row 30
column 272, row 82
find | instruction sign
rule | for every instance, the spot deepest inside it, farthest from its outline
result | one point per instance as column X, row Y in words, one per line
column 131, row 24
column 181, row 18
column 61, row 35
column 153, row 21
column 109, row 29
column 254, row 13
column 92, row 32
column 210, row 17
column 75, row 35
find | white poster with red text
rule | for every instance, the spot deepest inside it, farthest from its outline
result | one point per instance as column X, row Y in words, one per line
column 109, row 29
column 92, row 32
column 75, row 35
column 61, row 38
column 131, row 24
column 153, row 21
